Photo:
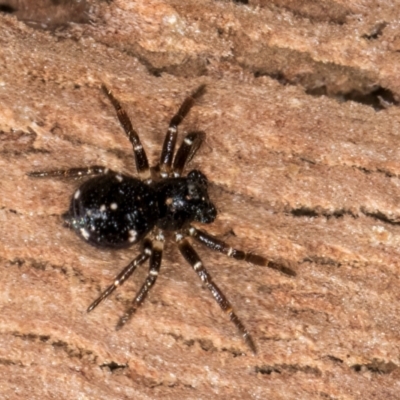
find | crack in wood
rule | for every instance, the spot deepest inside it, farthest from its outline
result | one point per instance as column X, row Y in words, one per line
column 289, row 369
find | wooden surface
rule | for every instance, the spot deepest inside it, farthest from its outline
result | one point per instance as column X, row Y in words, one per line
column 303, row 153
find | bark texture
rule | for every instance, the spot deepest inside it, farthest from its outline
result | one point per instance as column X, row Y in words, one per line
column 302, row 122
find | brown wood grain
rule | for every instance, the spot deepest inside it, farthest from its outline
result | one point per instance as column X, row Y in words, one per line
column 302, row 128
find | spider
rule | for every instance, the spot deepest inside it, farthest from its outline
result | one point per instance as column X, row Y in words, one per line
column 111, row 210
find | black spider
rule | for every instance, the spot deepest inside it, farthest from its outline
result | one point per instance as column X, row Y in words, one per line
column 112, row 210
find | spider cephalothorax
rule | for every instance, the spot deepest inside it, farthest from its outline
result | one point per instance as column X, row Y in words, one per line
column 111, row 210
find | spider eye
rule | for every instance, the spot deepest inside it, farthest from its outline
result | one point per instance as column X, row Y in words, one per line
column 198, row 178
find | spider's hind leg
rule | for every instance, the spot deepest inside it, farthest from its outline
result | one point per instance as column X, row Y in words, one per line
column 142, row 164
column 124, row 274
column 154, row 267
column 75, row 173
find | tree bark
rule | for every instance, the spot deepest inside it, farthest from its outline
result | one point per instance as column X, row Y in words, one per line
column 302, row 121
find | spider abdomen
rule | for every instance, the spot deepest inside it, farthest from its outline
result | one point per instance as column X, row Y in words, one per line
column 113, row 210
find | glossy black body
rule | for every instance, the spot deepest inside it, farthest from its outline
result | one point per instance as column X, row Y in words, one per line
column 183, row 200
column 117, row 211
column 111, row 210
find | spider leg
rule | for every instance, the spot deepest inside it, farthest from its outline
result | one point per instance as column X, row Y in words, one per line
column 168, row 149
column 124, row 274
column 187, row 150
column 194, row 260
column 154, row 267
column 72, row 172
column 142, row 165
column 218, row 245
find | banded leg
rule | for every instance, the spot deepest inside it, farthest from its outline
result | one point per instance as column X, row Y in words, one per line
column 155, row 263
column 124, row 274
column 194, row 260
column 142, row 165
column 218, row 245
column 187, row 150
column 168, row 149
column 72, row 172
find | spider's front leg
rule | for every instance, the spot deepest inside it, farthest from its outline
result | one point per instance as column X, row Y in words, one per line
column 218, row 245
column 194, row 260
column 168, row 149
column 187, row 150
